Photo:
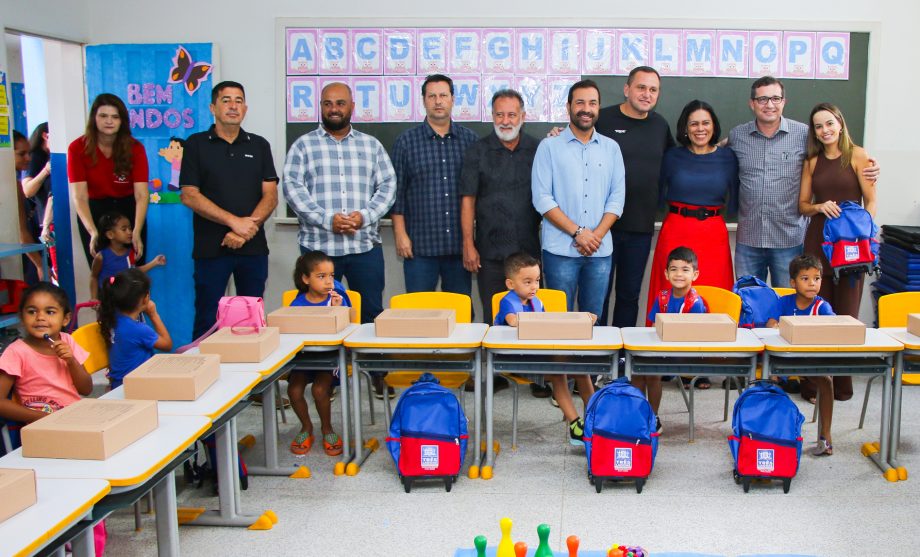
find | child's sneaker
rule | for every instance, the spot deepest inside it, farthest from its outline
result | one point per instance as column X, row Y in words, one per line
column 658, row 428
column 577, row 432
column 823, row 448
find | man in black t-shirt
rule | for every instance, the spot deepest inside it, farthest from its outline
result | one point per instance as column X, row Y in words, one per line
column 643, row 137
column 228, row 179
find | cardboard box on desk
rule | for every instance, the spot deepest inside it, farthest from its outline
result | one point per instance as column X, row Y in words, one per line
column 695, row 327
column 913, row 324
column 247, row 346
column 173, row 377
column 314, row 320
column 555, row 326
column 89, row 429
column 822, row 329
column 417, row 323
column 17, row 491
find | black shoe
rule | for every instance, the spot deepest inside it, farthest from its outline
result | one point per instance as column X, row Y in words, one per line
column 540, row 391
column 658, row 428
column 378, row 388
column 469, row 386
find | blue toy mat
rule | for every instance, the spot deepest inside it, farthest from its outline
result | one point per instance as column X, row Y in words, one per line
column 892, row 250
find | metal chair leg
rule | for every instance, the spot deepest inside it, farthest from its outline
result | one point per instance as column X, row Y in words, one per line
column 514, row 413
column 814, row 415
column 280, row 400
column 728, row 388
column 370, row 396
column 150, row 505
column 137, row 516
column 386, row 413
column 862, row 415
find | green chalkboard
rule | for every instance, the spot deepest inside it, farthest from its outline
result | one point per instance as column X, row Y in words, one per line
column 728, row 96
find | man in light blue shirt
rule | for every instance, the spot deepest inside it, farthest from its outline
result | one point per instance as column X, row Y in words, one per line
column 579, row 184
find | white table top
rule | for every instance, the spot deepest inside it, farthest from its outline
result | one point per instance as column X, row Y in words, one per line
column 61, row 503
column 129, row 467
column 876, row 341
column 646, row 339
column 503, row 336
column 288, row 347
column 900, row 334
column 465, row 335
column 229, row 389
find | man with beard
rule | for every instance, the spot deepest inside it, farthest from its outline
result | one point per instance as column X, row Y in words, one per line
column 495, row 190
column 578, row 185
column 340, row 182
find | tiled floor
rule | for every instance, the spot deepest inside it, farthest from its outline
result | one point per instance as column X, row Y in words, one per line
column 839, row 505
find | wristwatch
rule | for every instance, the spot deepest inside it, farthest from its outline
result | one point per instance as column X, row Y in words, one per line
column 578, row 231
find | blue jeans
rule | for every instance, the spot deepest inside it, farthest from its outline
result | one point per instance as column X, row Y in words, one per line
column 365, row 275
column 587, row 277
column 755, row 261
column 211, row 277
column 422, row 274
column 630, row 255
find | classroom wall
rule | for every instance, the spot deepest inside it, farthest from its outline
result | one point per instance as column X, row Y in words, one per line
column 245, row 33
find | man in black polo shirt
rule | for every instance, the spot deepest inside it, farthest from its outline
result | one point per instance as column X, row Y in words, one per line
column 495, row 189
column 228, row 179
column 643, row 137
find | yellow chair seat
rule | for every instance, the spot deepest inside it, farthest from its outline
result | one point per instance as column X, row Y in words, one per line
column 405, row 379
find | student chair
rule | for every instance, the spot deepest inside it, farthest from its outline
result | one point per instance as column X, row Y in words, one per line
column 553, row 301
column 463, row 309
column 892, row 312
column 355, row 298
column 783, row 291
column 724, row 301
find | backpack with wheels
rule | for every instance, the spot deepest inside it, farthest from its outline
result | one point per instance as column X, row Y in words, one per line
column 428, row 433
column 849, row 241
column 759, row 302
column 620, row 437
column 766, row 440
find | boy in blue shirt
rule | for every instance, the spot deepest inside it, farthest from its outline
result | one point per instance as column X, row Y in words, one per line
column 681, row 270
column 805, row 277
column 522, row 277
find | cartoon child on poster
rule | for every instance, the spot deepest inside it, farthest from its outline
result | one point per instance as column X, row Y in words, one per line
column 173, row 155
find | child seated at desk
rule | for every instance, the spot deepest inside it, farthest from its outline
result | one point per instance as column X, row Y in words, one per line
column 316, row 286
column 131, row 342
column 681, row 270
column 522, row 277
column 805, row 277
column 44, row 369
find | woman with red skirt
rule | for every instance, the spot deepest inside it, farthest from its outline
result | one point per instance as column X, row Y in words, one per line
column 699, row 182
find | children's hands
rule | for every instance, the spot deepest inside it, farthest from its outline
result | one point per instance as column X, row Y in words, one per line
column 511, row 319
column 151, row 308
column 593, row 318
column 335, row 299
column 62, row 350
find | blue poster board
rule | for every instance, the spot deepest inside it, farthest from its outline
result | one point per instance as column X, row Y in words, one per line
column 167, row 89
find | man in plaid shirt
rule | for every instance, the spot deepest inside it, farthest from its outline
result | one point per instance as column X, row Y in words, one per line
column 340, row 182
column 426, row 216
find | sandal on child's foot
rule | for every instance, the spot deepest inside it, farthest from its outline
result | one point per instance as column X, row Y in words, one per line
column 823, row 448
column 302, row 444
column 332, row 444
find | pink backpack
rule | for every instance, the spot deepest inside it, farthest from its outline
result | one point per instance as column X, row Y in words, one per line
column 245, row 315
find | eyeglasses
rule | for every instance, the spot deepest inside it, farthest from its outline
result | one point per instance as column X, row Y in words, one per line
column 762, row 101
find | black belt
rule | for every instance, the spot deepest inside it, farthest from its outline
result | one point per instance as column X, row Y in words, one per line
column 700, row 213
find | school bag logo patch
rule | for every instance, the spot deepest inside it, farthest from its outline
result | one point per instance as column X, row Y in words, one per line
column 851, row 253
column 430, row 457
column 765, row 461
column 623, row 459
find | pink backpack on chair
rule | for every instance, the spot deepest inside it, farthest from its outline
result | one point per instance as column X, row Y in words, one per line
column 245, row 315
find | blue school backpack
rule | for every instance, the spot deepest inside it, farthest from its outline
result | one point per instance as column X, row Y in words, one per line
column 428, row 433
column 620, row 437
column 759, row 302
column 849, row 241
column 766, row 440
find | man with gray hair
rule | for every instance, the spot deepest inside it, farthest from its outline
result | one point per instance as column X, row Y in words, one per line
column 495, row 194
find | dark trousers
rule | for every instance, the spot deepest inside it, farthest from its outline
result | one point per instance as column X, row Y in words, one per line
column 99, row 207
column 630, row 254
column 490, row 279
column 365, row 275
column 211, row 277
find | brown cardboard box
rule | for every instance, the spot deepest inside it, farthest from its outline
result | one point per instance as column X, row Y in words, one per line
column 822, row 329
column 554, row 326
column 241, row 347
column 89, row 429
column 695, row 327
column 173, row 377
column 418, row 323
column 913, row 324
column 322, row 320
column 17, row 491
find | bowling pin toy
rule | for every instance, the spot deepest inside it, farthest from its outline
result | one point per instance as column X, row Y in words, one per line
column 572, row 543
column 480, row 543
column 543, row 549
column 520, row 549
column 505, row 545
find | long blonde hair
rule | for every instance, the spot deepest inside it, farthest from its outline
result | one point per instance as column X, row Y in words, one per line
column 844, row 141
